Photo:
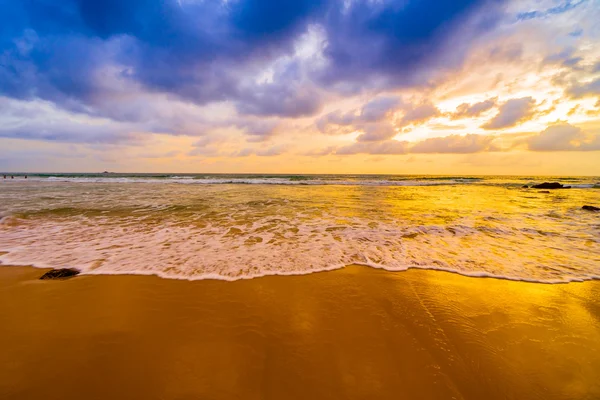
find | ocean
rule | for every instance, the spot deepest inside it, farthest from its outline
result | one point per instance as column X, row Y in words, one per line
column 232, row 226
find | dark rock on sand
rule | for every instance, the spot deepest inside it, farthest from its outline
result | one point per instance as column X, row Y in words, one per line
column 524, row 187
column 544, row 191
column 591, row 208
column 61, row 273
column 550, row 185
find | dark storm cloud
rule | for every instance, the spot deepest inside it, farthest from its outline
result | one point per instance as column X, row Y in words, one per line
column 204, row 51
column 401, row 40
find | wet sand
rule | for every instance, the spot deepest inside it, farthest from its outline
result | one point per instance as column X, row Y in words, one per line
column 355, row 333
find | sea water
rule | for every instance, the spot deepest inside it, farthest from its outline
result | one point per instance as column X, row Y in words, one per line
column 203, row 226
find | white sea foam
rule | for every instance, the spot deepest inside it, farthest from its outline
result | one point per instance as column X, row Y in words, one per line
column 306, row 180
column 279, row 246
column 187, row 180
column 242, row 232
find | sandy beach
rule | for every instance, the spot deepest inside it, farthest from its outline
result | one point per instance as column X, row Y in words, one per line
column 299, row 200
column 354, row 333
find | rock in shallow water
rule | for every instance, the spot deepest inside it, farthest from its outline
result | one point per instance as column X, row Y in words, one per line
column 61, row 273
column 591, row 208
column 550, row 185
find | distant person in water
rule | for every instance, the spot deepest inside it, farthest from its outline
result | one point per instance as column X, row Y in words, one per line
column 12, row 177
column 25, row 176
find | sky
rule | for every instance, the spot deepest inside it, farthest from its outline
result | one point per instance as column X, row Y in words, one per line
column 306, row 86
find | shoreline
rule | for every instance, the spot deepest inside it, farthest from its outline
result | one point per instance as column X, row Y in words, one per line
column 351, row 333
column 215, row 277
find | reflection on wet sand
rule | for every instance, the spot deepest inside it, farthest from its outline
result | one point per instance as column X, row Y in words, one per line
column 354, row 333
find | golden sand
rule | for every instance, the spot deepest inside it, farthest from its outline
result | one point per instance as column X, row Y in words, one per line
column 355, row 333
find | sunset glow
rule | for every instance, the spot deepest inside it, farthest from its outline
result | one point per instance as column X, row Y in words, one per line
column 477, row 86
